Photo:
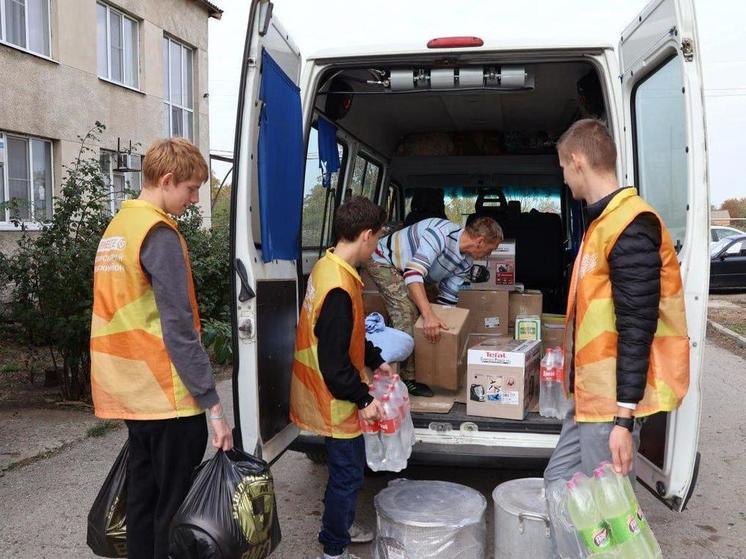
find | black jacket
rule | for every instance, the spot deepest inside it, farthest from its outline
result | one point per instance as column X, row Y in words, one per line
column 635, row 275
column 333, row 330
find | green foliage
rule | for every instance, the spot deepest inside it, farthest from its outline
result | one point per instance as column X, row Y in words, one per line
column 101, row 428
column 735, row 206
column 50, row 274
column 216, row 334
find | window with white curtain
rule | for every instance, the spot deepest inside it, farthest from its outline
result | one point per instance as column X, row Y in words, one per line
column 118, row 38
column 25, row 178
column 25, row 24
column 178, row 94
column 123, row 185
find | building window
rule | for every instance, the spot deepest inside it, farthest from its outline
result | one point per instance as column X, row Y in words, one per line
column 118, row 37
column 122, row 185
column 25, row 23
column 25, row 178
column 178, row 95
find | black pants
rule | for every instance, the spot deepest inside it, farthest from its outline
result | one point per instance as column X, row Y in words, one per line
column 163, row 455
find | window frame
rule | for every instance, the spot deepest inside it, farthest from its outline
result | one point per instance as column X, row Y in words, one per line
column 369, row 160
column 167, row 100
column 136, row 55
column 26, row 48
column 673, row 55
column 109, row 179
column 6, row 223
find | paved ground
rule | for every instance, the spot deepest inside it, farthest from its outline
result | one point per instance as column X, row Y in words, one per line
column 43, row 505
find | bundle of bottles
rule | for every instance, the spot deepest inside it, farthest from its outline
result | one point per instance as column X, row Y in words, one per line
column 608, row 518
column 389, row 441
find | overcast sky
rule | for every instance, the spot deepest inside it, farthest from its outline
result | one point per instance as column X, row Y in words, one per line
column 318, row 24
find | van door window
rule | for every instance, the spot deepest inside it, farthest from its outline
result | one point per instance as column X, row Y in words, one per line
column 316, row 198
column 392, row 203
column 365, row 177
column 659, row 119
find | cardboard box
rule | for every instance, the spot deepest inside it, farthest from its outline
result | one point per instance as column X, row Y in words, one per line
column 529, row 302
column 552, row 330
column 488, row 311
column 501, row 265
column 373, row 302
column 442, row 364
column 502, row 378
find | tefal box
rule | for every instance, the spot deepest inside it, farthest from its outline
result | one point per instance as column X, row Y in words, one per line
column 488, row 311
column 502, row 378
column 529, row 303
column 443, row 363
column 501, row 266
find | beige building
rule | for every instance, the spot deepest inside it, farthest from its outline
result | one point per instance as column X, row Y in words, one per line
column 138, row 66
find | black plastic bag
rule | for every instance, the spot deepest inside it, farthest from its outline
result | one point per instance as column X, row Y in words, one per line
column 230, row 511
column 107, row 527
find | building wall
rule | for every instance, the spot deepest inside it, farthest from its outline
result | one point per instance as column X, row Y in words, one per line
column 61, row 99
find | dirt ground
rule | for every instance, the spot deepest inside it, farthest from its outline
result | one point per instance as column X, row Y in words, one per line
column 729, row 310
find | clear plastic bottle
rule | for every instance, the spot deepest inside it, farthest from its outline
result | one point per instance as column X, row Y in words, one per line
column 548, row 387
column 653, row 548
column 587, row 519
column 617, row 511
column 394, row 456
column 563, row 405
column 402, row 399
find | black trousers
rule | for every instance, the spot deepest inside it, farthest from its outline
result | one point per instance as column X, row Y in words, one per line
column 163, row 455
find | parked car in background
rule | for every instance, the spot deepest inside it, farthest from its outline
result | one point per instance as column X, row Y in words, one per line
column 720, row 232
column 728, row 263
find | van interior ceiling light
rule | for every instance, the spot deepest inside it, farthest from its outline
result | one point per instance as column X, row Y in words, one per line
column 500, row 78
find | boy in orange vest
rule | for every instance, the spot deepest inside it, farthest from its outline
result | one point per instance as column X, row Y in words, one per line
column 626, row 348
column 148, row 365
column 329, row 388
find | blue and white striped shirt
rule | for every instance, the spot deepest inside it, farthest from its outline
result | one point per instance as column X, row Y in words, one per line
column 428, row 250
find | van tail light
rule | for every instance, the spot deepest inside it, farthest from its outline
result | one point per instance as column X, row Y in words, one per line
column 454, row 42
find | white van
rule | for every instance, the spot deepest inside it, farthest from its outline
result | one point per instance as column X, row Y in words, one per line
column 476, row 117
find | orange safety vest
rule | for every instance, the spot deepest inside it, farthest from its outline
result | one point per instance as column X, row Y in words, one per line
column 312, row 406
column 591, row 321
column 132, row 375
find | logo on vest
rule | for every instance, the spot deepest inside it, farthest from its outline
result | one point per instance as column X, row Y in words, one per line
column 588, row 264
column 310, row 296
column 108, row 244
column 109, row 256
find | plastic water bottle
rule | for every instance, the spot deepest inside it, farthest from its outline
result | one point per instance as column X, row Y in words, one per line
column 559, row 375
column 401, row 394
column 549, row 388
column 374, row 453
column 587, row 519
column 394, row 456
column 653, row 548
column 617, row 510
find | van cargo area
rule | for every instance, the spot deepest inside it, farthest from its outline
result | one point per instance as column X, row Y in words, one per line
column 483, row 133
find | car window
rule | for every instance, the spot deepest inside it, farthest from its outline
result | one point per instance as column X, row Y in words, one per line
column 718, row 246
column 735, row 248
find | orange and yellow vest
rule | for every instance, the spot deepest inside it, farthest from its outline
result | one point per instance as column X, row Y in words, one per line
column 312, row 406
column 132, row 375
column 591, row 321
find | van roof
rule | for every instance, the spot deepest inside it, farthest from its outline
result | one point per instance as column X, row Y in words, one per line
column 510, row 42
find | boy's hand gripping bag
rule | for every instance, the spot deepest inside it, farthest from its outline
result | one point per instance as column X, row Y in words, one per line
column 229, row 513
column 107, row 528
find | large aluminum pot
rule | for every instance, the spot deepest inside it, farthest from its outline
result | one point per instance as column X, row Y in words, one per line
column 521, row 520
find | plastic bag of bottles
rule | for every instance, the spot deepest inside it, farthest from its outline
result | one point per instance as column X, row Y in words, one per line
column 389, row 441
column 608, row 518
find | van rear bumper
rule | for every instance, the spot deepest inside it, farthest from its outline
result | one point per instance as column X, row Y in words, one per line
column 492, row 450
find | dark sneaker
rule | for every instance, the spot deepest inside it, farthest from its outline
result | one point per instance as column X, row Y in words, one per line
column 418, row 389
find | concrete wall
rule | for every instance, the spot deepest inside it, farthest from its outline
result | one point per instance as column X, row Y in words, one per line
column 62, row 98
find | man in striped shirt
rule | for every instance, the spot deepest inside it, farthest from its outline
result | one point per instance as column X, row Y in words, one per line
column 435, row 251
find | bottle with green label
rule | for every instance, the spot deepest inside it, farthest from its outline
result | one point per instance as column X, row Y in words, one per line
column 619, row 514
column 587, row 519
column 653, row 548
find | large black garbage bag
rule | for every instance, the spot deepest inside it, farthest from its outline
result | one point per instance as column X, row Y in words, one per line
column 230, row 511
column 107, row 527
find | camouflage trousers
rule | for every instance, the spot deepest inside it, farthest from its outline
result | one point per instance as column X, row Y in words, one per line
column 402, row 310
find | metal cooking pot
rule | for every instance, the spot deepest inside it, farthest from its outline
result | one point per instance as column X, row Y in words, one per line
column 521, row 520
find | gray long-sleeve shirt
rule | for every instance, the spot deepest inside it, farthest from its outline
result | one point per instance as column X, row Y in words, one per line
column 163, row 260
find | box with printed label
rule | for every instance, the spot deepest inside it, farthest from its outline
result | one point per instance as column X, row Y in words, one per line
column 502, row 378
column 530, row 302
column 443, row 363
column 501, row 266
column 488, row 311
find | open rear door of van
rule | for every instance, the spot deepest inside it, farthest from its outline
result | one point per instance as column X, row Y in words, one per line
column 265, row 217
column 665, row 157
